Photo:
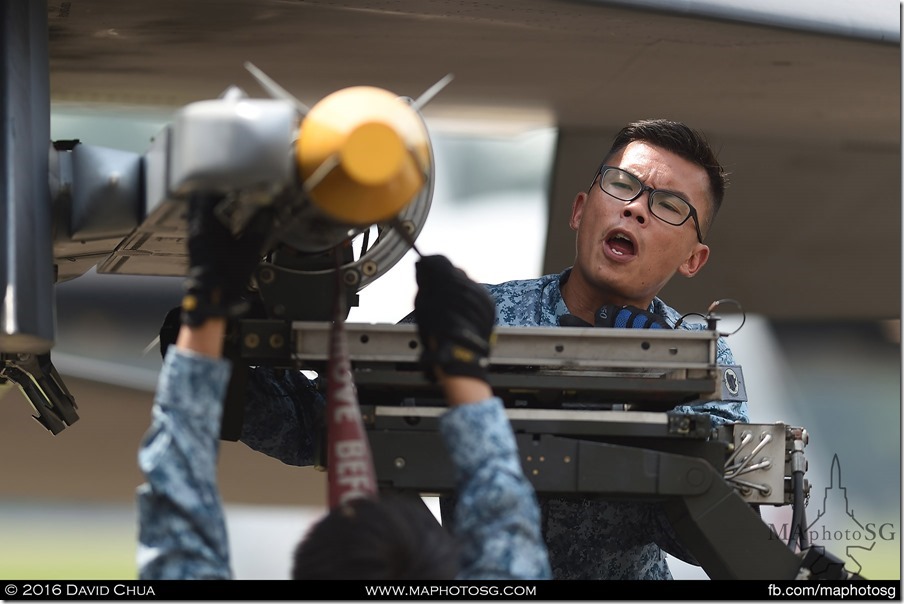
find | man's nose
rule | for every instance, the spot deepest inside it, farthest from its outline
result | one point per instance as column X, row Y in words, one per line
column 638, row 207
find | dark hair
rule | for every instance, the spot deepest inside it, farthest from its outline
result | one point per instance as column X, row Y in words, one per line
column 682, row 141
column 393, row 537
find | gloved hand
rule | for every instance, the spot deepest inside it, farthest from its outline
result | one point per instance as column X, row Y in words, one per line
column 455, row 318
column 169, row 330
column 611, row 315
column 220, row 264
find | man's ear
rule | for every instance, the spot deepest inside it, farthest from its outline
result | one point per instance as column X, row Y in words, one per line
column 695, row 261
column 577, row 210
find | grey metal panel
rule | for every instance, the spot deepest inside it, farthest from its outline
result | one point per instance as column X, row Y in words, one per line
column 232, row 143
column 605, row 351
column 106, row 192
column 650, row 369
column 27, row 320
column 876, row 20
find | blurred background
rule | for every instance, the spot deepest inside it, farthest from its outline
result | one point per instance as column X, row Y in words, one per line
column 808, row 242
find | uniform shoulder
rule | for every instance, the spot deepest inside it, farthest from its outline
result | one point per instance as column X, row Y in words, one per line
column 664, row 310
column 516, row 285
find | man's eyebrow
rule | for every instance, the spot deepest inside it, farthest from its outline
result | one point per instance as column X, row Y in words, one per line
column 680, row 194
column 677, row 192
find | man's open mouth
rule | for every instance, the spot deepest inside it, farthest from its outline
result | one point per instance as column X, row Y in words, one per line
column 621, row 245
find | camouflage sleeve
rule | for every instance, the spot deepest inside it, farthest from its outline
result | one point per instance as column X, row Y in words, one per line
column 283, row 415
column 182, row 531
column 497, row 518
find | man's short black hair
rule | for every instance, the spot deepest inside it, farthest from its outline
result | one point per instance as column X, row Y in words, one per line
column 393, row 537
column 683, row 141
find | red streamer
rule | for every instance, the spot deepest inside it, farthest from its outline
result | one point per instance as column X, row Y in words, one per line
column 350, row 466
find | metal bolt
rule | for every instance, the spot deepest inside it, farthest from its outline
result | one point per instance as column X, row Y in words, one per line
column 350, row 277
column 266, row 275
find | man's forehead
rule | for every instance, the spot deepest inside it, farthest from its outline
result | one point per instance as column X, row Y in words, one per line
column 663, row 168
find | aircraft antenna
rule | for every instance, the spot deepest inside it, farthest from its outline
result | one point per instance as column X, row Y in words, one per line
column 275, row 89
column 432, row 92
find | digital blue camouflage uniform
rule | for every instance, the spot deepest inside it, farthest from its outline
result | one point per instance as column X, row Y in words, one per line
column 587, row 538
column 591, row 538
column 182, row 531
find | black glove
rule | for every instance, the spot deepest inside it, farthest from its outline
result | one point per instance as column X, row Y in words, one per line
column 610, row 315
column 169, row 330
column 220, row 264
column 455, row 318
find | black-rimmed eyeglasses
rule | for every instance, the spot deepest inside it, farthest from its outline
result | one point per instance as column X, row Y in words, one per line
column 664, row 205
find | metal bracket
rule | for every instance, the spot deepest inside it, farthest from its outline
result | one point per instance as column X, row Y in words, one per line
column 535, row 367
column 43, row 387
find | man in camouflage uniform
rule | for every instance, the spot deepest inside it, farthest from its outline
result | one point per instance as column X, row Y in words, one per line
column 182, row 529
column 641, row 222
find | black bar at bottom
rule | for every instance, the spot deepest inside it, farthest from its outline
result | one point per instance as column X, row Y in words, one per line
column 284, row 590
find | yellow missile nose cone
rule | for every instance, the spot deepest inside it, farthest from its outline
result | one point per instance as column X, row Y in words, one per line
column 363, row 155
column 372, row 154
